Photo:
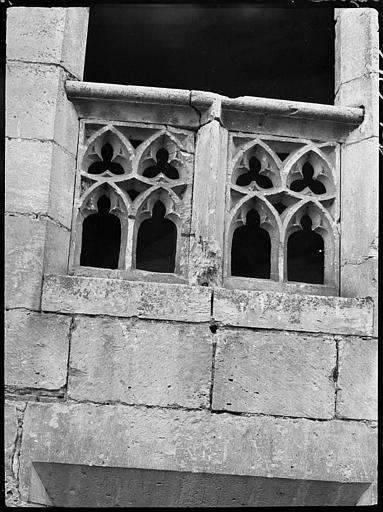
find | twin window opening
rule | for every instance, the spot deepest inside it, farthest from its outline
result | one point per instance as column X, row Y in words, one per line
column 157, row 236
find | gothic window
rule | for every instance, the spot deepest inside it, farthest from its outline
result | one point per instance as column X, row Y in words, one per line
column 133, row 198
column 283, row 212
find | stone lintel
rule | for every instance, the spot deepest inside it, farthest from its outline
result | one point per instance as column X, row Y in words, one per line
column 198, row 442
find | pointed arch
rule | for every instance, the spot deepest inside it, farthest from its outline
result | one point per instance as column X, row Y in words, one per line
column 256, row 163
column 108, row 139
column 253, row 239
column 161, row 153
column 310, row 166
column 310, row 245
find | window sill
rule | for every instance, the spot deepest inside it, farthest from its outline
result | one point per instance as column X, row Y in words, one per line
column 131, row 275
column 185, row 303
column 268, row 285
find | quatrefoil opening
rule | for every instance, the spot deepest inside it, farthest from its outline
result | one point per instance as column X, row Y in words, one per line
column 162, row 166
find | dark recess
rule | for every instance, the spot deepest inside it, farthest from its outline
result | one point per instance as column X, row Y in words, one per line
column 234, row 50
column 101, row 236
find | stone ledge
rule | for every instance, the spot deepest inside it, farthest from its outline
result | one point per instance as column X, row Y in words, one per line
column 293, row 312
column 197, row 441
column 157, row 301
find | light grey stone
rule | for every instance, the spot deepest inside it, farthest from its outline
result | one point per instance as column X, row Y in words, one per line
column 358, row 378
column 39, row 179
column 36, row 349
column 24, row 257
column 10, row 434
column 48, row 35
column 140, row 361
column 197, row 441
column 274, row 372
column 36, row 104
column 293, row 312
column 95, row 296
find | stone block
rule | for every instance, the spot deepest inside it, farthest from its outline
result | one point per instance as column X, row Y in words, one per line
column 37, row 106
column 274, row 372
column 359, row 200
column 293, row 312
column 24, row 256
column 140, row 362
column 357, row 44
column 94, row 296
column 56, row 252
column 36, row 349
column 39, row 179
column 48, row 35
column 362, row 91
column 197, row 441
column 10, row 434
column 358, row 378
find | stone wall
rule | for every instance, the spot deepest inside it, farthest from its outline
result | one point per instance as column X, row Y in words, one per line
column 168, row 378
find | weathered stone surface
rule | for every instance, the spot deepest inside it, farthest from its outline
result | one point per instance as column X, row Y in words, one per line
column 362, row 91
column 309, row 313
column 24, row 256
column 57, row 240
column 10, row 434
column 93, row 296
column 271, row 372
column 39, row 179
column 358, row 378
column 48, row 35
column 140, row 361
column 208, row 205
column 36, row 104
column 197, row 441
column 69, row 485
column 359, row 219
column 370, row 496
column 357, row 44
column 36, row 349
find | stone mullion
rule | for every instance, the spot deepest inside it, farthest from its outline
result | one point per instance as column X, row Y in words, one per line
column 208, row 214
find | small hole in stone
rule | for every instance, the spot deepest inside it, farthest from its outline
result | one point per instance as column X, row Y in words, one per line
column 213, row 328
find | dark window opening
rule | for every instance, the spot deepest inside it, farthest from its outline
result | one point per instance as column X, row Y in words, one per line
column 314, row 185
column 156, row 242
column 305, row 255
column 101, row 238
column 254, row 174
column 251, row 249
column 162, row 166
column 106, row 164
column 234, row 50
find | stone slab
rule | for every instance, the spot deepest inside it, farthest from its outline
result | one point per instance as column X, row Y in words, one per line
column 50, row 35
column 24, row 256
column 68, row 485
column 36, row 349
column 358, row 378
column 271, row 372
column 140, row 362
column 93, row 296
column 197, row 441
column 39, row 179
column 293, row 312
column 36, row 104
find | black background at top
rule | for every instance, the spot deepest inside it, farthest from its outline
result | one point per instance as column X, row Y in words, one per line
column 234, row 50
